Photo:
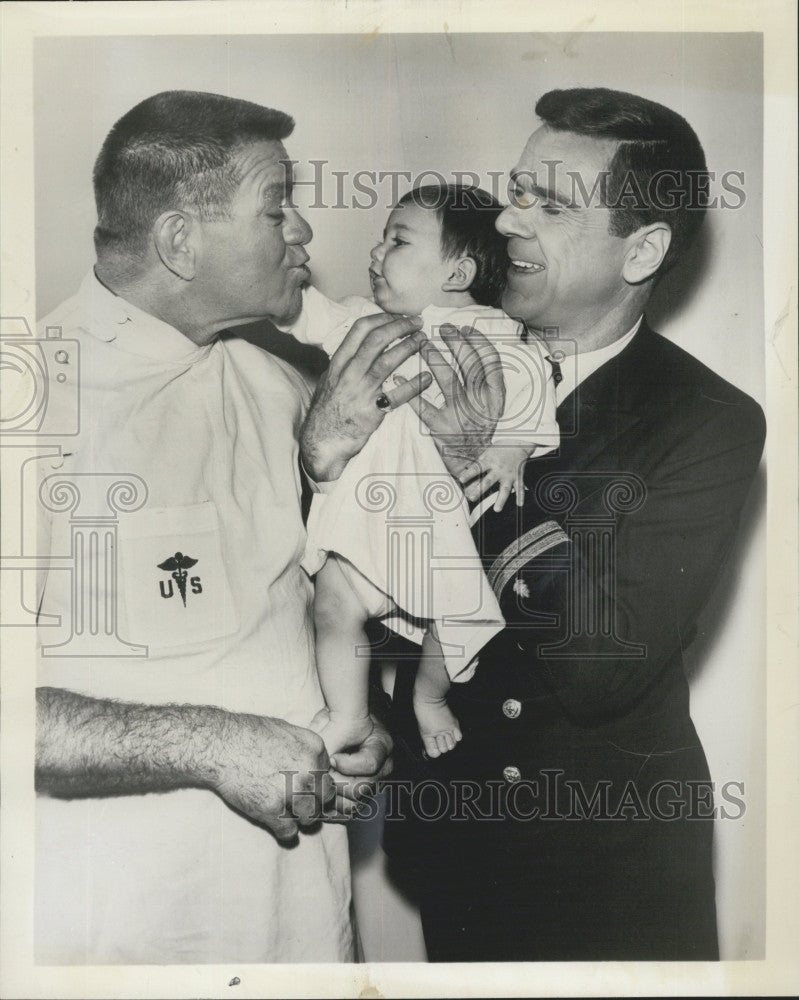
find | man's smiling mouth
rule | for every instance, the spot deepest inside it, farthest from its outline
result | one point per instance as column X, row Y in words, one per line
column 526, row 266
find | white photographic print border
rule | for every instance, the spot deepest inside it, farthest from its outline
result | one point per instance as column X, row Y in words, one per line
column 38, row 217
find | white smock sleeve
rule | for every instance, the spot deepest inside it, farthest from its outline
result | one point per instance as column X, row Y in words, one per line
column 325, row 323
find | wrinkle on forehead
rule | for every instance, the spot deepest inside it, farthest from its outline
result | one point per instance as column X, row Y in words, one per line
column 587, row 155
column 264, row 163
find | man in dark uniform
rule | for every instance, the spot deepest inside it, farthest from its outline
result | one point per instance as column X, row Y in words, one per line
column 578, row 807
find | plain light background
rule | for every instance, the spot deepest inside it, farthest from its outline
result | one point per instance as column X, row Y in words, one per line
column 454, row 102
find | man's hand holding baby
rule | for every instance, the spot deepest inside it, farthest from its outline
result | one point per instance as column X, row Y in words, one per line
column 344, row 412
column 356, row 772
column 463, row 426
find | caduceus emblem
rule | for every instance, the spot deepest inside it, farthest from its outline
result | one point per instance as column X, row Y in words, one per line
column 178, row 564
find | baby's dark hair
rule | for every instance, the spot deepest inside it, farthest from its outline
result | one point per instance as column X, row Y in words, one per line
column 467, row 216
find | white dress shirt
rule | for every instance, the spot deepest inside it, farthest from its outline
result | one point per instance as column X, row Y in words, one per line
column 575, row 369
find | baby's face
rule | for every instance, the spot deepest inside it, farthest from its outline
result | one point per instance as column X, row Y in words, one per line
column 408, row 269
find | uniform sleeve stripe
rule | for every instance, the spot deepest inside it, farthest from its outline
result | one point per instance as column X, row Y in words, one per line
column 522, row 551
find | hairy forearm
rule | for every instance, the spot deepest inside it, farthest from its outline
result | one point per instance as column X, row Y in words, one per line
column 319, row 456
column 329, row 437
column 88, row 746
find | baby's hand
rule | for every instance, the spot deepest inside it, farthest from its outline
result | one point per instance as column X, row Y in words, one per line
column 497, row 464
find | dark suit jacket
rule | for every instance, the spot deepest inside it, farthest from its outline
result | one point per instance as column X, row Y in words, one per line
column 578, row 715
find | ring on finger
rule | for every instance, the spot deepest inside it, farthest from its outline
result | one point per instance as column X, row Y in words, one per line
column 383, row 402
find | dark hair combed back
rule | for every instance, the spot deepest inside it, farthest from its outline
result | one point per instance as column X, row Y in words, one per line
column 468, row 216
column 654, row 142
column 175, row 149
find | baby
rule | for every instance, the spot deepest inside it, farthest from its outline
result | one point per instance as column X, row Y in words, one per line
column 440, row 257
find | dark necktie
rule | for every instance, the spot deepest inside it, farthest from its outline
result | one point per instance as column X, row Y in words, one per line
column 557, row 374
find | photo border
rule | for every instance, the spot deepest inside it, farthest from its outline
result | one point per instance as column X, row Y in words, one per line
column 778, row 974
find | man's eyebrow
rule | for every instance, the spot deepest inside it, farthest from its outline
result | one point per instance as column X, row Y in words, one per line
column 280, row 189
column 545, row 193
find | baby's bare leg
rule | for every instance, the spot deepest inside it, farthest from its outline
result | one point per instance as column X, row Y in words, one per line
column 438, row 726
column 339, row 617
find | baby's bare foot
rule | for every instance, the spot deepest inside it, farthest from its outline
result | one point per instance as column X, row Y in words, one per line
column 340, row 732
column 439, row 728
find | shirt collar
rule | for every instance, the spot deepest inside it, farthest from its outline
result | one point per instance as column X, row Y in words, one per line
column 577, row 367
column 113, row 319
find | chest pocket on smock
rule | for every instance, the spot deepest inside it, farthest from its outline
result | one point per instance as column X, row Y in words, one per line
column 172, row 577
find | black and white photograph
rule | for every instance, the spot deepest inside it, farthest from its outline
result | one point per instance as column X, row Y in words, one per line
column 392, row 603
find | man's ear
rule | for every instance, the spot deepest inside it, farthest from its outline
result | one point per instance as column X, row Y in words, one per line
column 647, row 248
column 462, row 274
column 173, row 236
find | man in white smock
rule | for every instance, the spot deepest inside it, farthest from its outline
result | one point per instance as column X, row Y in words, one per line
column 167, row 830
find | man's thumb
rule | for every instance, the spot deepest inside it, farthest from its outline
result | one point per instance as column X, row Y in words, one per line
column 285, row 830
